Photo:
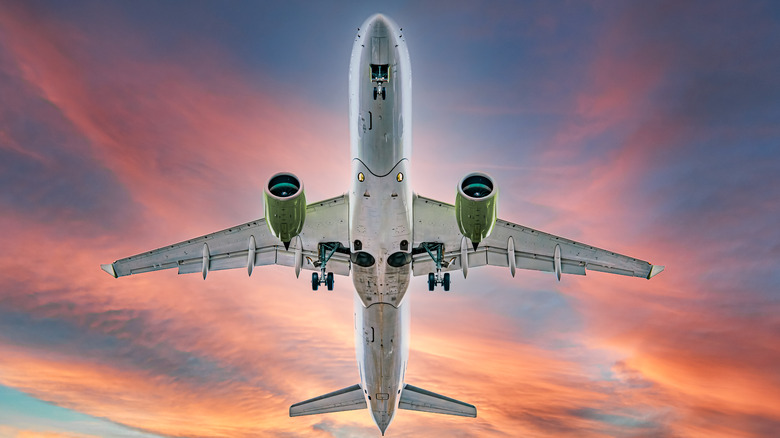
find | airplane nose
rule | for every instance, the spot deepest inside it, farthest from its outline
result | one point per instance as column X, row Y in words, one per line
column 379, row 19
column 379, row 25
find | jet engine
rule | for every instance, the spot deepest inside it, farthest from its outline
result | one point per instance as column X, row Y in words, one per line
column 475, row 206
column 285, row 206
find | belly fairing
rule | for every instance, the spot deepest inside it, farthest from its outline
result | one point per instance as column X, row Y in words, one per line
column 381, row 236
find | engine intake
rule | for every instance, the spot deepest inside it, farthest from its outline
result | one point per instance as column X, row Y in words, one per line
column 476, row 206
column 285, row 206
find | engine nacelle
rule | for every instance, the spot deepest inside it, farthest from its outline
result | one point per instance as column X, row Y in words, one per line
column 475, row 206
column 285, row 206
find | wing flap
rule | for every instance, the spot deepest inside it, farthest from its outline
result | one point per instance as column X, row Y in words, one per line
column 418, row 399
column 186, row 267
column 612, row 270
column 526, row 260
column 495, row 256
column 573, row 268
column 347, row 399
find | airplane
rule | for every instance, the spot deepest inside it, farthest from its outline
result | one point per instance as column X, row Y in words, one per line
column 381, row 233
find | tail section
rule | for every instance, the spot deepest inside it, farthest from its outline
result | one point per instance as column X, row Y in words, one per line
column 347, row 399
column 418, row 399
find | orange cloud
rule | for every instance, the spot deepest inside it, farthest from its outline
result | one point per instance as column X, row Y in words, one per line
column 275, row 352
column 182, row 357
column 13, row 432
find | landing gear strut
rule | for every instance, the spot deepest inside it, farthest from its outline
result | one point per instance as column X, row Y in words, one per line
column 436, row 251
column 326, row 249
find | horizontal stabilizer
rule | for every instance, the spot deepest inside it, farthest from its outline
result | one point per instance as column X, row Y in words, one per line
column 418, row 399
column 347, row 399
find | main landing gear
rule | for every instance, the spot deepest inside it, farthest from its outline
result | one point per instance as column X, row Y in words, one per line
column 436, row 251
column 326, row 280
column 444, row 281
column 326, row 249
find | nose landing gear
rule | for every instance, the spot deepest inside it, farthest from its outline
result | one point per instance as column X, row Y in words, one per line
column 380, row 75
column 379, row 90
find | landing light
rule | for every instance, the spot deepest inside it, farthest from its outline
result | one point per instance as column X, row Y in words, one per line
column 361, row 177
column 400, row 177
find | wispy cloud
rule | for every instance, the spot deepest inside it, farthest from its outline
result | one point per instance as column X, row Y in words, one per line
column 111, row 146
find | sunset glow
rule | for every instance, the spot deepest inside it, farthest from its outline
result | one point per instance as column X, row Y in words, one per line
column 649, row 128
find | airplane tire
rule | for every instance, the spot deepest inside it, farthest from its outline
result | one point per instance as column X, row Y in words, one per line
column 329, row 281
column 384, row 94
column 446, row 282
column 431, row 281
column 374, row 93
column 315, row 281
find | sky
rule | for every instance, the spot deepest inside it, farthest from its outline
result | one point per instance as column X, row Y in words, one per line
column 650, row 128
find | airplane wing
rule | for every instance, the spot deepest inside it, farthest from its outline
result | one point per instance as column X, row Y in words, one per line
column 250, row 244
column 513, row 246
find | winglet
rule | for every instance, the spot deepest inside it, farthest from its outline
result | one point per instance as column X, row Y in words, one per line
column 110, row 269
column 655, row 270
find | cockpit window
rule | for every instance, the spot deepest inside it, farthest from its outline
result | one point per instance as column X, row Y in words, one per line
column 379, row 73
column 363, row 259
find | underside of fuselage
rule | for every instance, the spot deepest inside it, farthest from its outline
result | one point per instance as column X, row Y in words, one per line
column 382, row 349
column 380, row 211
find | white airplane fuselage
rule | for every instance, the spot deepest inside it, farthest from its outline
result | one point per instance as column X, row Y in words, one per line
column 380, row 210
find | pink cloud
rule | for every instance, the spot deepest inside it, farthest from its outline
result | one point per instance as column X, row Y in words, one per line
column 170, row 136
column 186, row 149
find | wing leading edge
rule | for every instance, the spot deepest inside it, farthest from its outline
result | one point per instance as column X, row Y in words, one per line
column 248, row 245
column 513, row 246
